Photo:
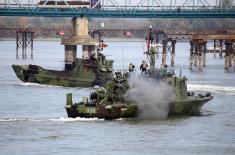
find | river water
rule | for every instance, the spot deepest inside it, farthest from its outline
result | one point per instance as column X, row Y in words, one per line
column 33, row 119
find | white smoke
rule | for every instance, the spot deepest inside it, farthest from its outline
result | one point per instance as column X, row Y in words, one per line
column 151, row 96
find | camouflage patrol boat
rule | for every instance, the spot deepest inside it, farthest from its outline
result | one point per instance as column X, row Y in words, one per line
column 110, row 102
column 92, row 69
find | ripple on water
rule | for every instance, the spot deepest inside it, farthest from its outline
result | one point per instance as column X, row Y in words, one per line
column 212, row 88
column 61, row 119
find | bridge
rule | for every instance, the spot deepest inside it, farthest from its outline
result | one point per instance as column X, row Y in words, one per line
column 123, row 9
column 177, row 34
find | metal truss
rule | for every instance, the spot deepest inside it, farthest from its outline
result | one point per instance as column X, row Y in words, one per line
column 125, row 9
column 136, row 4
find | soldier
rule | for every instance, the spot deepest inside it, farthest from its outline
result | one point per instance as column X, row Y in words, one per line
column 143, row 67
column 150, row 35
column 102, row 45
column 131, row 68
column 93, row 57
column 163, row 71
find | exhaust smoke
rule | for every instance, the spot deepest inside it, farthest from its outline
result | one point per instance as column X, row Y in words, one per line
column 152, row 97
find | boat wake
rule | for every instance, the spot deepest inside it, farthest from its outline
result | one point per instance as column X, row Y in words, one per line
column 212, row 88
column 50, row 86
column 66, row 119
column 37, row 85
column 61, row 119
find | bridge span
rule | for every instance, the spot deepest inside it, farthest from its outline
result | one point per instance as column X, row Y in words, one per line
column 53, row 32
column 122, row 9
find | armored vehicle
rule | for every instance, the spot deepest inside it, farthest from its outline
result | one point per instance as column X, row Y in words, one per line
column 110, row 102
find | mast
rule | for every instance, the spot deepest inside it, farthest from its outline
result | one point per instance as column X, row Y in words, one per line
column 151, row 51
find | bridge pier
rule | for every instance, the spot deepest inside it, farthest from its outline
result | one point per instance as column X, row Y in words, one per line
column 204, row 54
column 200, row 55
column 79, row 36
column 221, row 48
column 80, row 26
column 164, row 52
column 228, row 52
column 70, row 56
column 24, row 38
column 218, row 44
column 191, row 58
column 230, row 61
column 173, row 53
column 168, row 46
column 214, row 48
column 231, row 56
column 196, row 53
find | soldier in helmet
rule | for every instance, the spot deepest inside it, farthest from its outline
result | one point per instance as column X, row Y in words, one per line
column 163, row 71
column 93, row 57
column 131, row 68
column 143, row 67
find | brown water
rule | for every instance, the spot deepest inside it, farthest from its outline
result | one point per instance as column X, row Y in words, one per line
column 33, row 119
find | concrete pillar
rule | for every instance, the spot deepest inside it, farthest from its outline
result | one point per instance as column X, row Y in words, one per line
column 196, row 54
column 173, row 53
column 191, row 54
column 164, row 52
column 31, row 45
column 200, row 61
column 204, row 55
column 228, row 48
column 214, row 48
column 234, row 58
column 80, row 26
column 87, row 50
column 221, row 48
column 226, row 61
column 230, row 61
column 233, row 54
column 200, row 55
column 172, row 59
column 24, row 45
column 70, row 56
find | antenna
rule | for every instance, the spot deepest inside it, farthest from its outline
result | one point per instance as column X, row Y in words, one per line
column 122, row 43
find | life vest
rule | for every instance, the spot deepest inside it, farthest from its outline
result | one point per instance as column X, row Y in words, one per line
column 131, row 67
column 102, row 45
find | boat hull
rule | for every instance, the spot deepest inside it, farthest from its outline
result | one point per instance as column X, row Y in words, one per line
column 107, row 112
column 37, row 74
column 189, row 106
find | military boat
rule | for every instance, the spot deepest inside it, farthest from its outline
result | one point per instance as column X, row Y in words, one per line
column 110, row 102
column 91, row 69
column 82, row 72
